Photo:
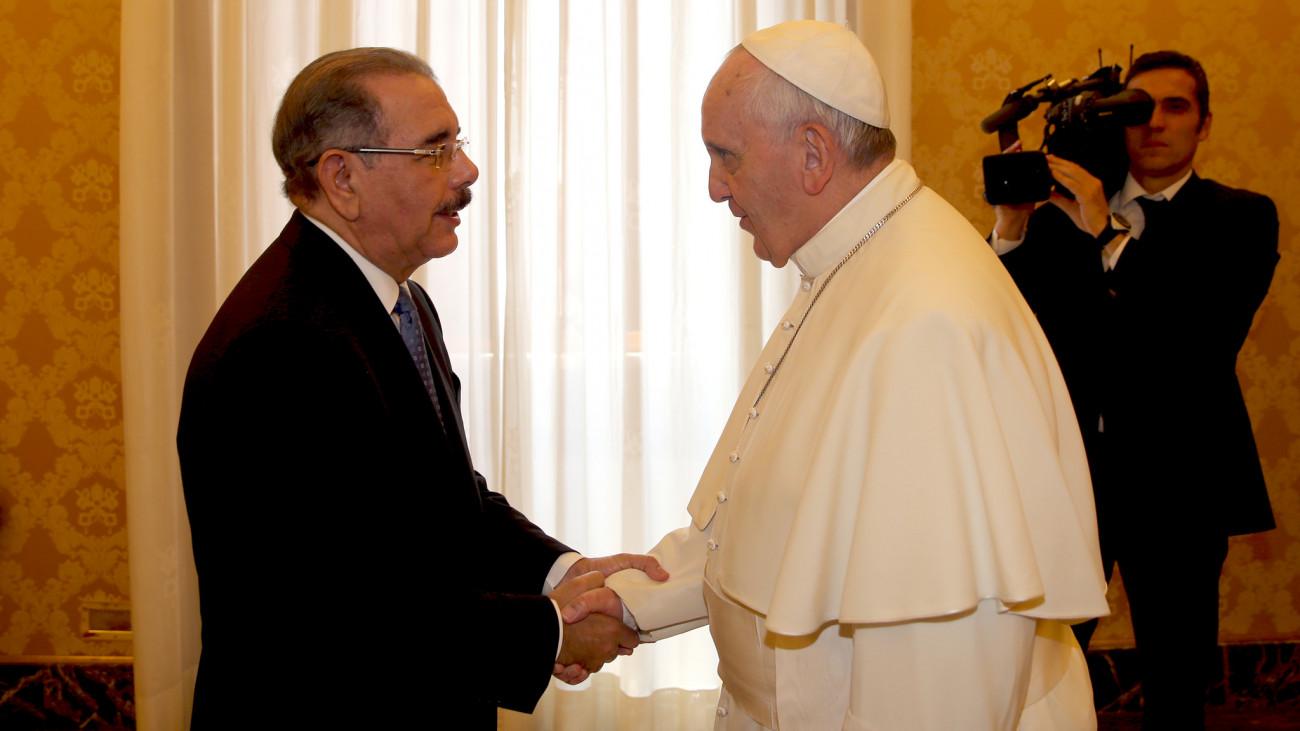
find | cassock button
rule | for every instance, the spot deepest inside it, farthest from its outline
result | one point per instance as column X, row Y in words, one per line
column 787, row 325
column 753, row 413
column 768, row 367
column 807, row 285
column 722, row 497
column 722, row 711
column 712, row 544
column 734, row 456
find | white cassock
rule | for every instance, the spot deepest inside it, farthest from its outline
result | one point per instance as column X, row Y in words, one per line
column 892, row 536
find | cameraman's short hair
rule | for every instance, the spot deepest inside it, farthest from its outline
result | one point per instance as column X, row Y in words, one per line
column 1175, row 60
column 327, row 106
column 782, row 106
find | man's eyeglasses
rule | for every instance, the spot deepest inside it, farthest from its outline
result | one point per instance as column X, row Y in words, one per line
column 442, row 155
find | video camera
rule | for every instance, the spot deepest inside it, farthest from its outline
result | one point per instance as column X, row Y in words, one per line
column 1085, row 124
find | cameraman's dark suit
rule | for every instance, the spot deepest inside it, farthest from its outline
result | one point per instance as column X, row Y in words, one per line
column 355, row 571
column 1151, row 348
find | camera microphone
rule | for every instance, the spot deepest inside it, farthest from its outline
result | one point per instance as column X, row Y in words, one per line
column 1010, row 112
column 1014, row 108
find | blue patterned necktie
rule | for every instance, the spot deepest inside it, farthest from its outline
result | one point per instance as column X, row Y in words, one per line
column 408, row 324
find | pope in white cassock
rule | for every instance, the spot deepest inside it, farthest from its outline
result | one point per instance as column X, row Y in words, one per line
column 897, row 522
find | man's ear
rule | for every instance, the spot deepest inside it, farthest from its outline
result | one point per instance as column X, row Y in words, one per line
column 335, row 176
column 818, row 150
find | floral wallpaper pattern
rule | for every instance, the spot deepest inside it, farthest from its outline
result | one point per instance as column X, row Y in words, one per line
column 62, row 506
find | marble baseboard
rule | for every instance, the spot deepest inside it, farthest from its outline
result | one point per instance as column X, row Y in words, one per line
column 67, row 697
column 1250, row 677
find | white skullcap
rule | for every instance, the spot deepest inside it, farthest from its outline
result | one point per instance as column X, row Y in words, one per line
column 829, row 62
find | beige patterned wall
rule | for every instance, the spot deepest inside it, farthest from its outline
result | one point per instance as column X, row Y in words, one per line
column 62, row 506
column 970, row 53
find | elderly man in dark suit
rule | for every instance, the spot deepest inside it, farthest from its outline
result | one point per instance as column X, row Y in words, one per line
column 355, row 571
column 1146, row 298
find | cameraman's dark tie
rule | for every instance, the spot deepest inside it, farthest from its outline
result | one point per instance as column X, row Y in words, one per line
column 408, row 324
column 1156, row 213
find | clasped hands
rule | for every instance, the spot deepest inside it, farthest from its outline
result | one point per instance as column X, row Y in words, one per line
column 594, row 633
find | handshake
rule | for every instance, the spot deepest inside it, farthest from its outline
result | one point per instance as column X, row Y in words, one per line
column 594, row 632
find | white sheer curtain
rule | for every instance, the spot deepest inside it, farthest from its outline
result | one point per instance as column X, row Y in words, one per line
column 600, row 309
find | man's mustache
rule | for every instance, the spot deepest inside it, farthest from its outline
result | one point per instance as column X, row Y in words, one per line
column 463, row 197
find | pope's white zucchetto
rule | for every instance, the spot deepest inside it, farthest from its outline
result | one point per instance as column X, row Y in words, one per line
column 827, row 61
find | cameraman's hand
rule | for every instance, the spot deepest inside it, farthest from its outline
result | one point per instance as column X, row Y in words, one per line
column 1010, row 220
column 1089, row 209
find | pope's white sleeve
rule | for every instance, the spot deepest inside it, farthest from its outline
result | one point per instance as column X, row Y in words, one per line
column 666, row 608
column 968, row 672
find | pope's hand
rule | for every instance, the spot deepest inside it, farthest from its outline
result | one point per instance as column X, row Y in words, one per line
column 618, row 562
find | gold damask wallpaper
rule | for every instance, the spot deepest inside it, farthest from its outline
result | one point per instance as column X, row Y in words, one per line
column 969, row 53
column 62, row 507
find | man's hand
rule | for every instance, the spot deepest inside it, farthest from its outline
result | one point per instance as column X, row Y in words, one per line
column 594, row 641
column 602, row 600
column 596, row 637
column 1010, row 220
column 1089, row 209
column 582, row 593
column 613, row 564
column 575, row 585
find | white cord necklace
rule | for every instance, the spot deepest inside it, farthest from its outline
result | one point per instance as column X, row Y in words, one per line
column 829, row 277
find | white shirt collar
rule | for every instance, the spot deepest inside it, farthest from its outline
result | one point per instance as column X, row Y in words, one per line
column 1133, row 190
column 386, row 288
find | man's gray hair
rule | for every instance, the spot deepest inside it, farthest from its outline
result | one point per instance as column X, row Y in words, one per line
column 782, row 107
column 328, row 106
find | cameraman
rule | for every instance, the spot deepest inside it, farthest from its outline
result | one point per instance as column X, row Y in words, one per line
column 1146, row 298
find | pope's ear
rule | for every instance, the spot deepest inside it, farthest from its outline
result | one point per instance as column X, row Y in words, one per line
column 335, row 174
column 818, row 150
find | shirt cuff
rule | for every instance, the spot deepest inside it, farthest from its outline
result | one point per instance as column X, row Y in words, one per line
column 553, row 578
column 559, row 569
column 559, row 644
column 1001, row 245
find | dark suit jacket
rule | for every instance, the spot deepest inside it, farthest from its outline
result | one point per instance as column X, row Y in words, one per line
column 354, row 569
column 1157, row 358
